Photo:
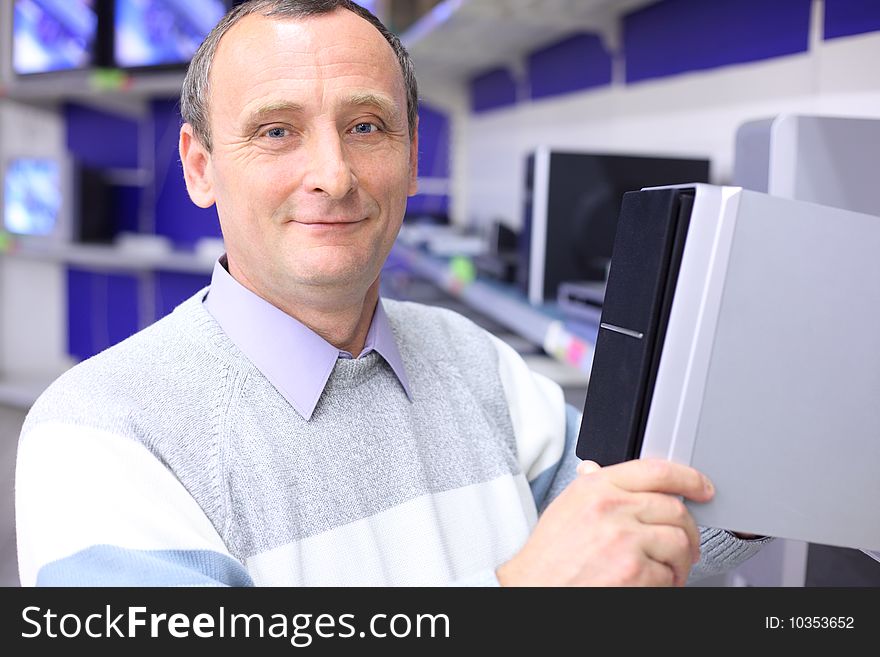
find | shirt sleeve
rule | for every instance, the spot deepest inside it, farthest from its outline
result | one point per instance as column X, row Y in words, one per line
column 721, row 551
column 98, row 509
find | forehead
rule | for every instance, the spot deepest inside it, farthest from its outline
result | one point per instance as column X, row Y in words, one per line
column 305, row 60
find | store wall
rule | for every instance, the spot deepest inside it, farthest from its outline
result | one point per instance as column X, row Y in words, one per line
column 685, row 75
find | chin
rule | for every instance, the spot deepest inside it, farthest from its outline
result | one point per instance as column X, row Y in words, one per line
column 334, row 276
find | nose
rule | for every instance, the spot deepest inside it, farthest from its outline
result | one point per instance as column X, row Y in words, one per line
column 328, row 170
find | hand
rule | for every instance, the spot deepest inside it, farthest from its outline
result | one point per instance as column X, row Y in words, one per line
column 617, row 526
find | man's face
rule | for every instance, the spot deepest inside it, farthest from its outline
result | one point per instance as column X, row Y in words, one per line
column 312, row 160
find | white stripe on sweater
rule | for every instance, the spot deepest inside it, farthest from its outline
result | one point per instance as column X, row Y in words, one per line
column 537, row 410
column 77, row 487
column 426, row 541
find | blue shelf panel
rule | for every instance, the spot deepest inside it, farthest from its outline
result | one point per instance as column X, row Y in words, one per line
column 676, row 36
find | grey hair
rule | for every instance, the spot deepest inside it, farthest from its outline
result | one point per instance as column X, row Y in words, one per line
column 197, row 85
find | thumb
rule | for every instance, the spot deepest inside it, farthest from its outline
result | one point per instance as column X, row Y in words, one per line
column 587, row 467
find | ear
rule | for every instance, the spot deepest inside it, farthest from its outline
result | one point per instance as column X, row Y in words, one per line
column 414, row 161
column 196, row 162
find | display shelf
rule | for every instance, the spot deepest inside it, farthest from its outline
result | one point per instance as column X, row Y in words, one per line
column 111, row 258
column 20, row 392
column 568, row 342
column 450, row 42
column 93, row 85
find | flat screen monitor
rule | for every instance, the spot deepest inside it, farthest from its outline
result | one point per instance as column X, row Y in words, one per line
column 36, row 199
column 572, row 201
column 54, row 35
column 162, row 33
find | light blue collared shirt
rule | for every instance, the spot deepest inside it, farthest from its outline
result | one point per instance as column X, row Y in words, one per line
column 295, row 359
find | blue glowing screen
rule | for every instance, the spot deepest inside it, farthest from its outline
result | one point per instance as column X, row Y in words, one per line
column 32, row 196
column 53, row 35
column 155, row 32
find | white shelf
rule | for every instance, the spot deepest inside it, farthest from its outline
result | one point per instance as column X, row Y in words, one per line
column 460, row 38
column 110, row 258
column 93, row 85
column 22, row 392
column 542, row 326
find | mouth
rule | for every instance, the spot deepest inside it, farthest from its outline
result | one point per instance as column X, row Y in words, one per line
column 329, row 222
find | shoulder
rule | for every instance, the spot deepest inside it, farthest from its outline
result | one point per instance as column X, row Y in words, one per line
column 148, row 369
column 439, row 342
column 420, row 323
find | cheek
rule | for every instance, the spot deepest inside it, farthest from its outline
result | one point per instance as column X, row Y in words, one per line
column 391, row 179
column 257, row 190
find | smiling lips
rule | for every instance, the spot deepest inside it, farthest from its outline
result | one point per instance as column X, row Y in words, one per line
column 330, row 222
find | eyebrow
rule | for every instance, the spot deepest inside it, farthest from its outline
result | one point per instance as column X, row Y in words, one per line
column 382, row 102
column 256, row 118
column 385, row 104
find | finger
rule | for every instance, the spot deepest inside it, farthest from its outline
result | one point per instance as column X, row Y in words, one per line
column 671, row 547
column 661, row 509
column 660, row 476
column 586, row 467
column 653, row 573
column 658, row 574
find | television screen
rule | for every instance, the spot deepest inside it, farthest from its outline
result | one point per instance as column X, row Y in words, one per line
column 572, row 202
column 53, row 35
column 32, row 196
column 162, row 32
column 36, row 198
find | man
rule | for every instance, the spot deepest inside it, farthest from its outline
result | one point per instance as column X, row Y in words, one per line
column 285, row 426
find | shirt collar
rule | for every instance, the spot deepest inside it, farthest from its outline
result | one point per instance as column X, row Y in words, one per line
column 295, row 359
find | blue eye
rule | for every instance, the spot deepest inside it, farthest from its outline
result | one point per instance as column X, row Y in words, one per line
column 364, row 128
column 276, row 133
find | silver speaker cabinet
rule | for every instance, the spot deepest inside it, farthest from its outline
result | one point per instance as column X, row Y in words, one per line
column 739, row 335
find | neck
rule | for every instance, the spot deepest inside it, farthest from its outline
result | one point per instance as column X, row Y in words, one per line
column 344, row 326
column 342, row 320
